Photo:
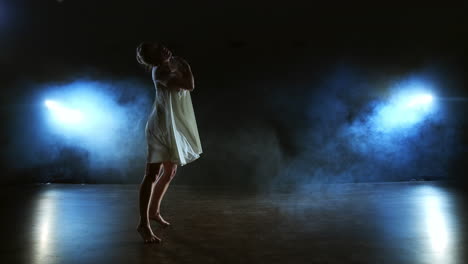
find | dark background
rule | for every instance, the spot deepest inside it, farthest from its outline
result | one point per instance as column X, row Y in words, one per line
column 274, row 84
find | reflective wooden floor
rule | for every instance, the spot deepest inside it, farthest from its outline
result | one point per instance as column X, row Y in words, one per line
column 347, row 223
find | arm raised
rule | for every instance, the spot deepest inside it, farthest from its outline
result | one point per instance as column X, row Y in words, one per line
column 176, row 75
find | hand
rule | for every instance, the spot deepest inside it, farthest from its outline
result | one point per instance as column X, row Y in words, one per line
column 166, row 54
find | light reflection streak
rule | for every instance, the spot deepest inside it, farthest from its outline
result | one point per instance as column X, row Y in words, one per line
column 45, row 218
column 437, row 225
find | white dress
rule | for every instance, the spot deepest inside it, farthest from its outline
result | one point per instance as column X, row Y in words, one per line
column 171, row 130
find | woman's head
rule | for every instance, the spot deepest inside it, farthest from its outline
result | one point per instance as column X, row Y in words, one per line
column 151, row 54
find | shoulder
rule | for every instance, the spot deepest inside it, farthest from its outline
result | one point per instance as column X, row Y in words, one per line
column 179, row 59
column 180, row 62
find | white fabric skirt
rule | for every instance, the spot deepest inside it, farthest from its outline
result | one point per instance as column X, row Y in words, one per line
column 171, row 130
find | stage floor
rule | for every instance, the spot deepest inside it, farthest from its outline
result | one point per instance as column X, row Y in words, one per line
column 413, row 222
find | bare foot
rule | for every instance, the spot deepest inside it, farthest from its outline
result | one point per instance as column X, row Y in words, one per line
column 158, row 218
column 147, row 234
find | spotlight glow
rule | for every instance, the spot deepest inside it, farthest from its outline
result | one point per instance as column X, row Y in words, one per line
column 83, row 110
column 95, row 117
column 63, row 114
column 406, row 108
column 418, row 100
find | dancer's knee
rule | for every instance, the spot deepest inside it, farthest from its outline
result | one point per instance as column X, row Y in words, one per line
column 166, row 177
column 171, row 176
column 170, row 170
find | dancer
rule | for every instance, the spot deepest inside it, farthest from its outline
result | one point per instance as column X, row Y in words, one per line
column 171, row 131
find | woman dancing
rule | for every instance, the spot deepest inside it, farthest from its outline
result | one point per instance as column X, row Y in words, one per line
column 171, row 131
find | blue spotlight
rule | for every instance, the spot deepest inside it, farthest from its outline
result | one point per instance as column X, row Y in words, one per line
column 419, row 100
column 63, row 114
column 86, row 112
column 404, row 109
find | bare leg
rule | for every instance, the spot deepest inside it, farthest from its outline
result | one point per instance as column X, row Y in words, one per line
column 144, row 228
column 159, row 189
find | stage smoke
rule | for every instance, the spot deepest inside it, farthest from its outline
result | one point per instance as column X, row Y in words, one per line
column 354, row 128
column 85, row 130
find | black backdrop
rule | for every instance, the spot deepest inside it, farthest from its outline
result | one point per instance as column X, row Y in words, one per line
column 260, row 68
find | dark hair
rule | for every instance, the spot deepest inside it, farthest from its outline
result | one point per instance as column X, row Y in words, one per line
column 145, row 54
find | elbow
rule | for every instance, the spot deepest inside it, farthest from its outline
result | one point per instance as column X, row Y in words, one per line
column 183, row 84
column 182, row 87
column 190, row 86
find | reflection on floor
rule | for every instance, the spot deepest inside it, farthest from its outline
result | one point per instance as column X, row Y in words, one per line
column 346, row 223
